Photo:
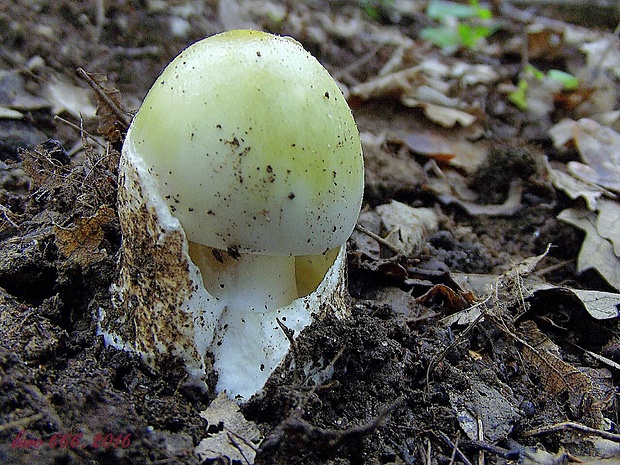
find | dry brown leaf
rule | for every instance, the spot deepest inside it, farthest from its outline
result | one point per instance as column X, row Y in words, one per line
column 509, row 207
column 596, row 251
column 394, row 84
column 556, row 375
column 66, row 97
column 514, row 285
column 602, row 54
column 449, row 146
column 109, row 125
column 484, row 411
column 599, row 305
column 587, row 388
column 608, row 223
column 80, row 243
column 428, row 86
column 543, row 41
column 599, row 147
column 574, row 187
column 445, row 116
column 407, row 227
column 235, row 438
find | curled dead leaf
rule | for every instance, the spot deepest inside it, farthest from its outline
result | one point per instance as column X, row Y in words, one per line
column 80, row 242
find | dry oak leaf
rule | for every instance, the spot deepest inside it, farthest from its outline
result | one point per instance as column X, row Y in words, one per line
column 574, row 187
column 596, row 251
column 80, row 242
column 599, row 148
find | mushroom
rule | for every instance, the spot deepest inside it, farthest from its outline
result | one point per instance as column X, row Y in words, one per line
column 241, row 180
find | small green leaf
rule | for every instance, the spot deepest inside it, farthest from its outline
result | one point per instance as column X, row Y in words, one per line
column 534, row 72
column 440, row 9
column 569, row 81
column 470, row 35
column 441, row 36
column 519, row 96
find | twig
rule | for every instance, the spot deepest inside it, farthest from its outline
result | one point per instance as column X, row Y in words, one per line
column 290, row 335
column 576, row 426
column 327, row 369
column 237, row 446
column 5, row 214
column 455, row 448
column 508, row 454
column 480, row 438
column 108, row 101
column 428, row 452
column 22, row 422
column 330, row 439
column 551, row 268
column 276, row 436
column 322, row 438
column 408, row 458
column 436, row 359
column 358, row 63
column 81, row 129
column 378, row 238
column 136, row 52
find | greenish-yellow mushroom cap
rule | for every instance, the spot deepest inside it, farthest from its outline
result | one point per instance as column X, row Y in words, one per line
column 253, row 145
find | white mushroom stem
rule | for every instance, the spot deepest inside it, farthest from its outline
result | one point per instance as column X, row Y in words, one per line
column 246, row 282
column 254, row 293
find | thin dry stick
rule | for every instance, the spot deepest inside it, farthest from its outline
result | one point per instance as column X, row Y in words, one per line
column 481, row 439
column 428, row 451
column 97, row 88
column 378, row 238
column 5, row 214
column 443, row 353
column 358, row 63
column 544, row 360
column 552, row 268
column 22, row 422
column 455, row 448
column 236, row 445
column 80, row 129
column 577, row 427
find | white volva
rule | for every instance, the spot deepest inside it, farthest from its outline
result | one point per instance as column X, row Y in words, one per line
column 241, row 180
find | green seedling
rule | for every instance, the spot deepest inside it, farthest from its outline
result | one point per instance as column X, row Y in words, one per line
column 467, row 32
column 519, row 96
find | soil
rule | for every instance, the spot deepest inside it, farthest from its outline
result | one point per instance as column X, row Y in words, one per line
column 406, row 385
